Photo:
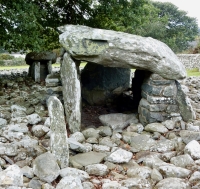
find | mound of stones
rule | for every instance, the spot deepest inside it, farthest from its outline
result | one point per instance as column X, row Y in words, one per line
column 36, row 151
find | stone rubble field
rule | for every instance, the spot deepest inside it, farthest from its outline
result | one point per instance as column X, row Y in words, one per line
column 120, row 154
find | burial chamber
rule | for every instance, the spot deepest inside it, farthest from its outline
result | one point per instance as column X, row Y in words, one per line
column 161, row 94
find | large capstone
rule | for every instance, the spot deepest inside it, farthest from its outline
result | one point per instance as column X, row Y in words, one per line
column 118, row 49
column 40, row 64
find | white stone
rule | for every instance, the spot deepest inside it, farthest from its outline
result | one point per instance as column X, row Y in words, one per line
column 83, row 175
column 40, row 130
column 96, row 169
column 33, row 119
column 78, row 136
column 119, row 156
column 118, row 121
column 12, row 176
column 193, row 149
column 3, row 122
column 27, row 171
column 21, row 127
column 69, row 182
column 156, row 127
column 18, row 111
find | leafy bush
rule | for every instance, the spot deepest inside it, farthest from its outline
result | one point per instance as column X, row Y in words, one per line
column 6, row 57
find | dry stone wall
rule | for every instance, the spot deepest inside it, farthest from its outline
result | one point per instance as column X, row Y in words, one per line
column 190, row 60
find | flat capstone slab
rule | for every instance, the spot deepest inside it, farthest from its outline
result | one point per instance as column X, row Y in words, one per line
column 40, row 57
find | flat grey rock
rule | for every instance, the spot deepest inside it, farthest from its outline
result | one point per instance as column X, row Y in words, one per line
column 45, row 167
column 141, row 142
column 156, row 127
column 88, row 158
column 173, row 171
column 96, row 169
column 182, row 160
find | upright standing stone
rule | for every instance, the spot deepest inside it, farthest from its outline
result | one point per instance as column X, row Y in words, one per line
column 37, row 72
column 59, row 142
column 49, row 65
column 71, row 93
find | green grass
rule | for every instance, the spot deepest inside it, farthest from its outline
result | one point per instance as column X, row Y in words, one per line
column 192, row 72
column 13, row 67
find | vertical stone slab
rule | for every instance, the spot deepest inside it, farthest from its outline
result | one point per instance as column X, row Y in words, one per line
column 49, row 66
column 71, row 92
column 37, row 71
column 184, row 104
column 59, row 142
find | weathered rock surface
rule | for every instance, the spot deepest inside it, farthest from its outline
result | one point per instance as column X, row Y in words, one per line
column 118, row 49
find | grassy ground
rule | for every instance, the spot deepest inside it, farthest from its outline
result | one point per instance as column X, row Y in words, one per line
column 193, row 72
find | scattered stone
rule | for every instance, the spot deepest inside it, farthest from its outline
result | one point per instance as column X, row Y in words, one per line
column 141, row 142
column 96, row 169
column 172, row 183
column 119, row 156
column 143, row 172
column 74, row 173
column 3, row 122
column 193, row 149
column 12, row 176
column 33, row 119
column 88, row 158
column 118, row 121
column 182, row 160
column 156, row 127
column 46, row 167
column 69, row 182
column 173, row 171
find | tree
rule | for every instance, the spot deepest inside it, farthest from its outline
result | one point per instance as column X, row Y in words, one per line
column 120, row 15
column 32, row 24
column 180, row 28
column 19, row 24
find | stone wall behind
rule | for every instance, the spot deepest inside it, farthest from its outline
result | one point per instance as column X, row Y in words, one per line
column 190, row 60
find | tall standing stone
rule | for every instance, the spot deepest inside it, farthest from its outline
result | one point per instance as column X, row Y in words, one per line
column 37, row 72
column 59, row 142
column 71, row 93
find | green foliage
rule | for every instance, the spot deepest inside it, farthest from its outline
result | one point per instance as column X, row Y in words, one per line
column 123, row 16
column 180, row 28
column 31, row 25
